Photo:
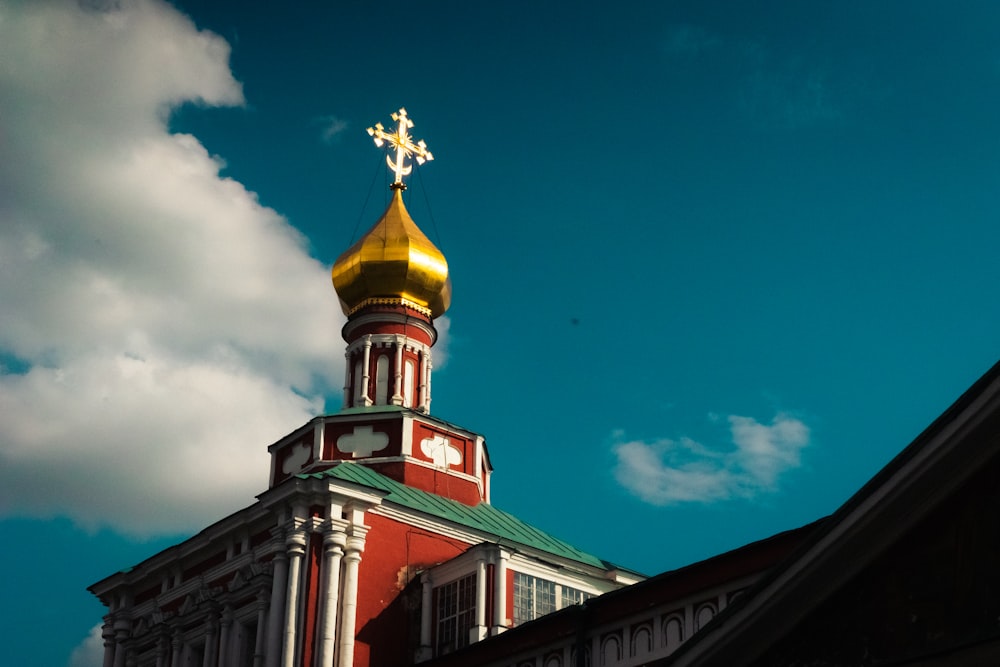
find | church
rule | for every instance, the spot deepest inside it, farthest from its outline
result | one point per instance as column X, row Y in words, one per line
column 377, row 543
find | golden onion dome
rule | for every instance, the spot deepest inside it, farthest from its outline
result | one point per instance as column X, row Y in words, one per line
column 393, row 263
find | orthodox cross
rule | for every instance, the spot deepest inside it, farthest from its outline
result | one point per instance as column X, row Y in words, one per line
column 401, row 141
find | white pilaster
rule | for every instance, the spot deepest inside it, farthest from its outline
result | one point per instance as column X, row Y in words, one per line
column 397, row 387
column 162, row 651
column 296, row 543
column 425, row 651
column 210, row 656
column 349, row 605
column 348, row 368
column 121, row 635
column 423, row 401
column 225, row 637
column 176, row 646
column 296, row 547
column 480, row 631
column 259, row 644
column 500, row 593
column 334, row 541
column 427, row 381
column 276, row 614
column 108, row 635
column 366, row 371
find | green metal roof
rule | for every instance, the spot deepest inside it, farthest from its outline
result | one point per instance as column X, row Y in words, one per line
column 483, row 517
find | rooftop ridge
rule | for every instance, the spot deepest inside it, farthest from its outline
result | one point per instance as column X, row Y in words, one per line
column 483, row 517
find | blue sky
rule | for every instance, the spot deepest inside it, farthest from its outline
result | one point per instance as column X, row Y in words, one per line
column 714, row 264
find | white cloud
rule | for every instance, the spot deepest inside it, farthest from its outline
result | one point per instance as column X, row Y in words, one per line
column 332, row 128
column 764, row 452
column 666, row 472
column 90, row 652
column 443, row 326
column 172, row 326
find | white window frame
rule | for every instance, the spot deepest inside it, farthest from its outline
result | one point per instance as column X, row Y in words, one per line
column 536, row 596
column 460, row 619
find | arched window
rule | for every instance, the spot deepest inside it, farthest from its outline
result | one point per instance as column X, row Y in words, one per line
column 359, row 388
column 408, row 384
column 673, row 632
column 382, row 380
column 705, row 613
column 611, row 649
column 642, row 640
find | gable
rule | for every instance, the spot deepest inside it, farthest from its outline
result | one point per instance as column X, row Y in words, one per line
column 889, row 543
column 934, row 592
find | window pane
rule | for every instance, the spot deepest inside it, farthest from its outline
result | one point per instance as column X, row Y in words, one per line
column 545, row 597
column 571, row 596
column 523, row 598
column 456, row 614
column 535, row 597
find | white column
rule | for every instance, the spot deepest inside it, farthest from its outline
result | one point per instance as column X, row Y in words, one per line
column 334, row 541
column 348, row 369
column 121, row 634
column 259, row 644
column 210, row 656
column 425, row 651
column 422, row 400
column 225, row 638
column 480, row 631
column 176, row 646
column 162, row 651
column 108, row 635
column 397, row 387
column 427, row 382
column 296, row 543
column 366, row 371
column 276, row 614
column 500, row 594
column 349, row 604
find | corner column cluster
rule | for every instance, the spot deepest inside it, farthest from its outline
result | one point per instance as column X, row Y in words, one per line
column 304, row 613
column 342, row 536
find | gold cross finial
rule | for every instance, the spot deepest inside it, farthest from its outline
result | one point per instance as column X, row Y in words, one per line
column 403, row 143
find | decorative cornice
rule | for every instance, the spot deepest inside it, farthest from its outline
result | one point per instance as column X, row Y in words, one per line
column 414, row 319
column 390, row 301
column 407, row 342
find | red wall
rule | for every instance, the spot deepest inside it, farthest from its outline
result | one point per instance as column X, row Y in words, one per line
column 510, row 597
column 282, row 455
column 443, row 484
column 414, row 332
column 335, row 429
column 394, row 554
